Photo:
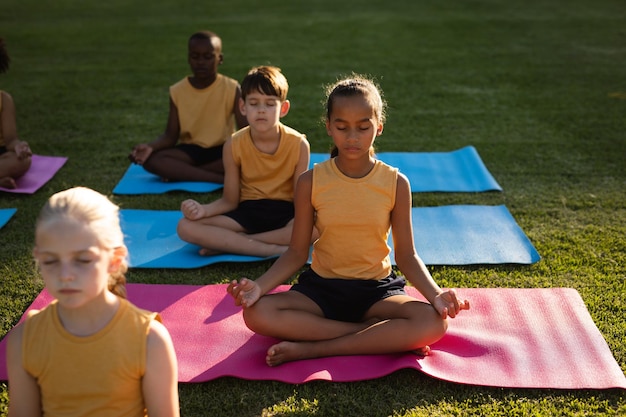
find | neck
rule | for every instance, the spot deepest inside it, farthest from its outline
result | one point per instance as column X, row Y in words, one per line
column 91, row 317
column 266, row 142
column 200, row 83
column 355, row 168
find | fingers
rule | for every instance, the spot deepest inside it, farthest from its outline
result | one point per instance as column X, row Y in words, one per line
column 22, row 150
column 191, row 209
column 237, row 290
column 452, row 304
column 455, row 303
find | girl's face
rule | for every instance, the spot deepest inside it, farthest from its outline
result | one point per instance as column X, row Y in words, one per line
column 74, row 266
column 353, row 125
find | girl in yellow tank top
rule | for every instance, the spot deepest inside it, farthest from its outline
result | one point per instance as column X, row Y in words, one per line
column 90, row 352
column 349, row 302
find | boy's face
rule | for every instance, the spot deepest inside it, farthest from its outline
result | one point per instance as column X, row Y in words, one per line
column 204, row 58
column 262, row 111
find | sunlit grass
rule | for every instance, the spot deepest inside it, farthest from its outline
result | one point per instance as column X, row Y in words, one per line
column 537, row 87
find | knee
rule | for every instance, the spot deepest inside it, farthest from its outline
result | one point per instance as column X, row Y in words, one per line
column 152, row 163
column 443, row 326
column 183, row 229
column 439, row 327
column 257, row 319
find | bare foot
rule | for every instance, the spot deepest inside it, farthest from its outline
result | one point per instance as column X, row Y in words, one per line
column 288, row 351
column 8, row 182
column 423, row 351
column 208, row 252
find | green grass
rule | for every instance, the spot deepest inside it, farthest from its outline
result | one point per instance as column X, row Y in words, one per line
column 537, row 87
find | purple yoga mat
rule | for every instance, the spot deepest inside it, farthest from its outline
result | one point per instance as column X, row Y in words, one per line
column 42, row 169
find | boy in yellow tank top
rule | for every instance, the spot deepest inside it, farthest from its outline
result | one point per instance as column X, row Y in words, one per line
column 203, row 112
column 262, row 164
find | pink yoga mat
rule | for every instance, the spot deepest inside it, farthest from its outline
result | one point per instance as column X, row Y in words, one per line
column 41, row 171
column 524, row 338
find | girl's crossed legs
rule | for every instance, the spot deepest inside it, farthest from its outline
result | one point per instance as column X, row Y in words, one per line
column 398, row 323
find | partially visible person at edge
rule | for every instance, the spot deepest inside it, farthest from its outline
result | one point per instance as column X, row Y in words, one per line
column 349, row 301
column 90, row 352
column 204, row 112
column 15, row 154
column 262, row 164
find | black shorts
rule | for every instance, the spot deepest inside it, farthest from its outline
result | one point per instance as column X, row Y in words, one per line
column 3, row 149
column 200, row 155
column 347, row 299
column 257, row 216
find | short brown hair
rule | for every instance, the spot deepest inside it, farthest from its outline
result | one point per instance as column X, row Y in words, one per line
column 267, row 80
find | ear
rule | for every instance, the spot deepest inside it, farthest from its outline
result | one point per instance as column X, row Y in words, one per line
column 328, row 127
column 118, row 256
column 284, row 108
column 242, row 106
column 220, row 59
column 379, row 129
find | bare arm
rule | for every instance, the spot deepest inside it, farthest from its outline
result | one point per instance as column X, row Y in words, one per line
column 409, row 262
column 167, row 139
column 24, row 395
column 230, row 197
column 303, row 162
column 240, row 119
column 160, row 382
column 247, row 292
column 9, row 128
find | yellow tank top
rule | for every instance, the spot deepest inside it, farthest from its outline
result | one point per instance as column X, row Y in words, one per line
column 97, row 375
column 265, row 176
column 353, row 217
column 206, row 116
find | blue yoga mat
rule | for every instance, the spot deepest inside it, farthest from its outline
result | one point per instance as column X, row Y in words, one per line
column 5, row 215
column 137, row 180
column 469, row 234
column 457, row 171
column 153, row 243
column 447, row 235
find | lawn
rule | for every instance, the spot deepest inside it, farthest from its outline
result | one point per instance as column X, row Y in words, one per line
column 538, row 87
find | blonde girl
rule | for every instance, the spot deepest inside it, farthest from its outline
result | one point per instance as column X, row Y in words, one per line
column 90, row 352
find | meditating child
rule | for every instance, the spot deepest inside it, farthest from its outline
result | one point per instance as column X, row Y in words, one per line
column 90, row 352
column 349, row 301
column 262, row 164
column 204, row 109
column 15, row 154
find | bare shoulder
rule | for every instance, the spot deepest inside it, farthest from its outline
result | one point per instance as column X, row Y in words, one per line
column 158, row 333
column 403, row 187
column 306, row 178
column 5, row 98
column 14, row 344
column 15, row 336
column 403, row 181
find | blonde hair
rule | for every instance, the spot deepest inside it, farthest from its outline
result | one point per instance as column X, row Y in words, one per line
column 94, row 209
